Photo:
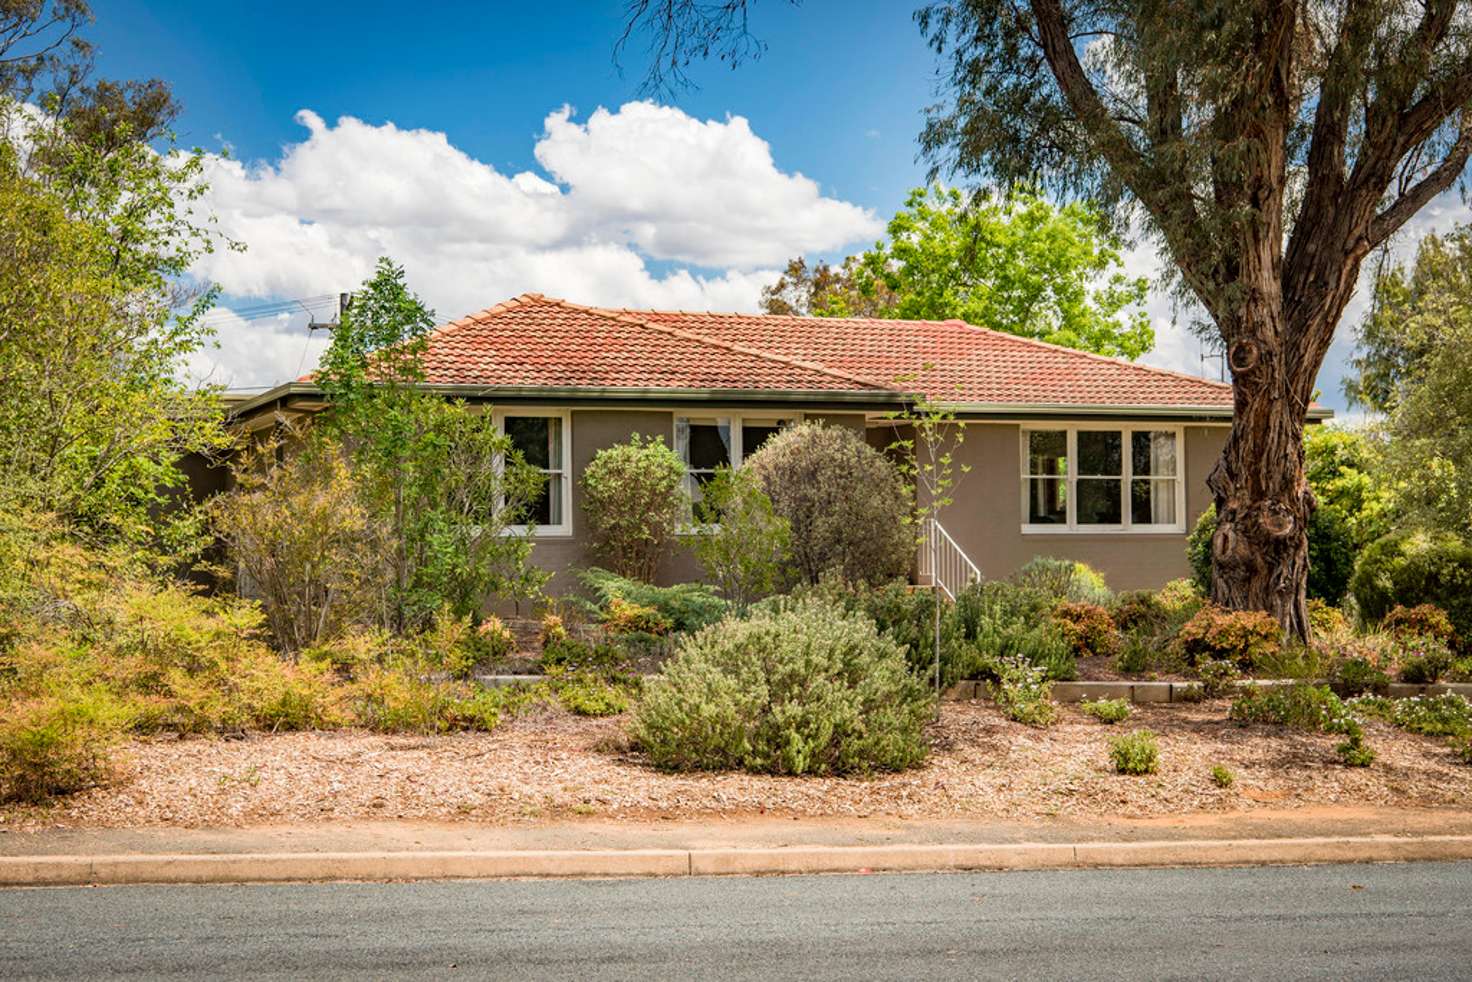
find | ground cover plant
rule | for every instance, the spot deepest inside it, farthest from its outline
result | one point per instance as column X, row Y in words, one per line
column 1135, row 753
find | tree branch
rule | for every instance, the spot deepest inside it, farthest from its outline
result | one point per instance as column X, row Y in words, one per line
column 1442, row 177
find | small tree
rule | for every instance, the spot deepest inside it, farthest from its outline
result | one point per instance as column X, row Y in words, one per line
column 633, row 504
column 438, row 478
column 847, row 505
column 744, row 543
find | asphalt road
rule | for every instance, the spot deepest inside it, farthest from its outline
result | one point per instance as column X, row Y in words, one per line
column 1359, row 922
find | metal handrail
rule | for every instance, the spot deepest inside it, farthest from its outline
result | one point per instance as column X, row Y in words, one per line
column 944, row 562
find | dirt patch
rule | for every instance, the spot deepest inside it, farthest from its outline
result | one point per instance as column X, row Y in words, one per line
column 554, row 765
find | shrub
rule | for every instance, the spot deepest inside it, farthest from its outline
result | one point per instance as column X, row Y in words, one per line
column 302, row 543
column 684, row 607
column 59, row 744
column 801, row 688
column 1218, row 678
column 450, row 644
column 846, row 505
column 1243, row 636
column 1442, row 715
column 493, row 639
column 1139, row 611
column 1325, row 621
column 1307, row 707
column 590, row 695
column 552, row 630
column 624, row 617
column 1420, row 660
column 402, row 697
column 633, row 502
column 1198, row 550
column 906, row 615
column 1107, row 710
column 1222, row 777
column 743, row 543
column 1413, row 568
column 1041, row 645
column 1135, row 753
column 1424, row 620
column 572, row 655
column 1088, row 628
column 1354, row 752
column 1064, row 580
column 1357, row 675
column 1022, row 690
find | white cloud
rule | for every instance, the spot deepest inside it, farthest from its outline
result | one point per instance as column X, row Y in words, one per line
column 704, row 198
column 255, row 353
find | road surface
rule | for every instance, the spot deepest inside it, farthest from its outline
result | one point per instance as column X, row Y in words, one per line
column 1333, row 922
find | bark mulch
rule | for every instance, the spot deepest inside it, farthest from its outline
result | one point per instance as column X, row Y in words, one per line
column 551, row 764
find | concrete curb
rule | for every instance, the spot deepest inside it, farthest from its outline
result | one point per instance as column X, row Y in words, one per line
column 1181, row 691
column 370, row 866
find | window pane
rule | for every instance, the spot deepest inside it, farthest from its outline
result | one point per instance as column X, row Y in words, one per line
column 1047, row 452
column 1098, row 501
column 1099, row 452
column 1153, row 502
column 541, row 508
column 1047, row 501
column 705, row 444
column 532, row 435
column 1153, row 453
column 756, row 432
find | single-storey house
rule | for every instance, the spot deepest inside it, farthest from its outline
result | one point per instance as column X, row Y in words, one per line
column 1070, row 454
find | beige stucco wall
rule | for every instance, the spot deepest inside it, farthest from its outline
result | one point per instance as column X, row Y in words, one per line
column 986, row 516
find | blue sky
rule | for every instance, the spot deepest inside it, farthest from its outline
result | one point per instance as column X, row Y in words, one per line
column 437, row 135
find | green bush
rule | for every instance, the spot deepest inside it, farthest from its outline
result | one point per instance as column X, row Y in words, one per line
column 1139, row 612
column 1242, row 636
column 1021, row 691
column 846, row 505
column 1307, row 707
column 1420, row 660
column 633, row 502
column 743, row 544
column 1064, row 580
column 1135, row 753
column 589, row 695
column 1357, row 675
column 1218, row 678
column 685, row 606
column 1042, row 645
column 1088, row 629
column 1412, row 568
column 797, row 688
column 1222, row 777
column 1108, row 711
column 1442, row 715
column 54, row 745
column 571, row 655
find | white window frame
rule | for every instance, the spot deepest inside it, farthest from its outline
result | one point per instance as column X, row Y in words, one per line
column 735, row 419
column 563, row 529
column 1126, row 431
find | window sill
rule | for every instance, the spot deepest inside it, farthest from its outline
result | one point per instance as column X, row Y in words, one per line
column 1101, row 530
column 539, row 532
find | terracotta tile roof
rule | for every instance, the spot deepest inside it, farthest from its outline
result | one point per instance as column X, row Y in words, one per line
column 534, row 340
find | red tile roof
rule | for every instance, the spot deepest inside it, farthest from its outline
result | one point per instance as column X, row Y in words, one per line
column 534, row 340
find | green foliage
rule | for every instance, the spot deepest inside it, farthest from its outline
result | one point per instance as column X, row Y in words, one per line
column 301, row 541
column 1088, row 628
column 1354, row 752
column 439, row 483
column 58, row 744
column 1222, row 777
column 632, row 504
column 1241, row 636
column 685, row 607
column 1022, row 691
column 1357, row 675
column 1005, row 621
column 1018, row 264
column 1108, row 711
column 1341, row 467
column 1219, row 678
column 798, row 688
column 1135, row 753
column 1411, row 568
column 846, row 505
column 1331, row 553
column 95, row 239
column 1422, row 620
column 743, row 543
column 1064, row 580
column 591, row 695
column 567, row 654
column 1307, row 707
column 1441, row 715
column 1420, row 659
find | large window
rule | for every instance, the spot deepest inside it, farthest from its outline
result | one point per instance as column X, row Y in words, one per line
column 541, row 438
column 1093, row 479
column 706, row 443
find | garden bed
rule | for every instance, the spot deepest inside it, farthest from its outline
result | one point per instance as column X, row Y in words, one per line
column 550, row 764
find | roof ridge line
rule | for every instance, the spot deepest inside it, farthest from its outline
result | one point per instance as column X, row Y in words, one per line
column 627, row 317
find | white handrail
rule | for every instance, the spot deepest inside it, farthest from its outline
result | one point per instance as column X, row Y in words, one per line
column 946, row 564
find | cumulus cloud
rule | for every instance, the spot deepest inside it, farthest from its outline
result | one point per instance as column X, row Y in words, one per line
column 645, row 206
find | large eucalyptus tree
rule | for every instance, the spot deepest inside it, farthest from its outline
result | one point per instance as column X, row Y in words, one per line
column 1268, row 145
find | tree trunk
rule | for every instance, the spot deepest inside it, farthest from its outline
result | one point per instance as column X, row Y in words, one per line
column 1263, row 502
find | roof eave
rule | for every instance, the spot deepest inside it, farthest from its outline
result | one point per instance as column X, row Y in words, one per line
column 1108, row 410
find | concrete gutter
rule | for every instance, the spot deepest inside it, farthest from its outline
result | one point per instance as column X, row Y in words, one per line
column 77, row 870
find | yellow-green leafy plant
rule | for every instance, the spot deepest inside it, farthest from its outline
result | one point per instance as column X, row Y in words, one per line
column 1135, row 753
